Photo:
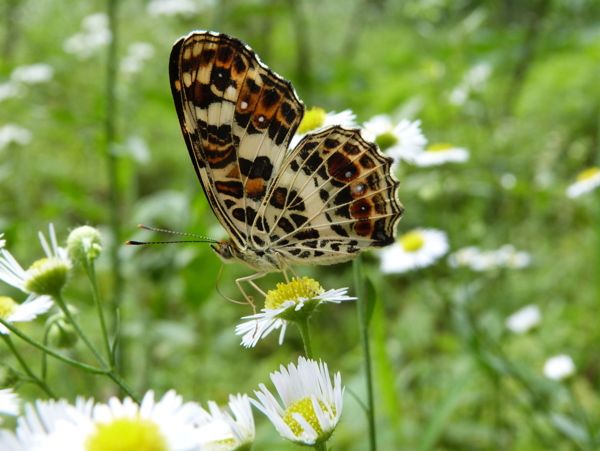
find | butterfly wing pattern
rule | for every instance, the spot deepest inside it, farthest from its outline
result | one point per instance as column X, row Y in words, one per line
column 323, row 202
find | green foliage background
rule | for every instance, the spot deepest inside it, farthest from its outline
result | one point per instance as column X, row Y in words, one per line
column 448, row 373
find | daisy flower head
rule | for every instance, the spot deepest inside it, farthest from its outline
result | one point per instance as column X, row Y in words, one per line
column 9, row 403
column 525, row 319
column 289, row 302
column 45, row 276
column 559, row 367
column 440, row 153
column 238, row 429
column 312, row 404
column 166, row 425
column 402, row 141
column 587, row 180
column 418, row 248
column 317, row 119
column 12, row 312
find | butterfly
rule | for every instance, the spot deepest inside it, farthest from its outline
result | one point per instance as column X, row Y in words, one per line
column 323, row 202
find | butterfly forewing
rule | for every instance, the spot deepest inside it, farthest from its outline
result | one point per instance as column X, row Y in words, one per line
column 237, row 117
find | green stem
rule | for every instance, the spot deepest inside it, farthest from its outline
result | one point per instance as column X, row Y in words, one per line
column 50, row 352
column 26, row 368
column 113, row 167
column 90, row 369
column 305, row 333
column 91, row 273
column 61, row 303
column 361, row 305
column 44, row 355
column 321, row 446
column 583, row 417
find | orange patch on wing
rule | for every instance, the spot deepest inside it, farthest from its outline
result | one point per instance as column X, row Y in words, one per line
column 255, row 188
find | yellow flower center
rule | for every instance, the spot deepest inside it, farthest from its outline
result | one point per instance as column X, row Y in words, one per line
column 313, row 118
column 220, row 445
column 305, row 408
column 126, row 434
column 412, row 241
column 293, row 291
column 439, row 147
column 588, row 174
column 386, row 140
column 46, row 276
column 7, row 306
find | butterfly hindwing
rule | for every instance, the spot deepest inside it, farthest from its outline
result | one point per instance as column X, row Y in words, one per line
column 334, row 197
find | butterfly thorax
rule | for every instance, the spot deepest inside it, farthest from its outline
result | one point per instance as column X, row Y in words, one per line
column 260, row 259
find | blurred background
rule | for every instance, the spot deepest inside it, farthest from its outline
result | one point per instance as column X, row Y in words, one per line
column 89, row 135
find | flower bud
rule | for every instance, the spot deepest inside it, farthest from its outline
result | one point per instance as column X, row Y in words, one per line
column 62, row 335
column 84, row 243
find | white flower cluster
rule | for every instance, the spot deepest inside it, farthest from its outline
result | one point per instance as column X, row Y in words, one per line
column 22, row 76
column 477, row 260
column 95, row 35
column 473, row 81
column 137, row 54
column 175, row 7
column 13, row 133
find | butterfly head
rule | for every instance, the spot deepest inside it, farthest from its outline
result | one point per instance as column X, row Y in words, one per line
column 226, row 250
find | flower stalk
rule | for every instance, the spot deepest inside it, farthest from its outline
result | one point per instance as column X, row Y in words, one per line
column 363, row 321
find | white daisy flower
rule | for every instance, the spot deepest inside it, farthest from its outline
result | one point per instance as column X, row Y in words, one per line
column 463, row 256
column 12, row 312
column 288, row 303
column 525, row 319
column 559, row 367
column 402, row 141
column 587, row 180
column 32, row 74
column 484, row 261
column 239, row 432
column 9, row 402
column 504, row 257
column 44, row 276
column 317, row 119
column 508, row 257
column 12, row 133
column 312, row 405
column 415, row 249
column 166, row 425
column 441, row 153
column 2, row 242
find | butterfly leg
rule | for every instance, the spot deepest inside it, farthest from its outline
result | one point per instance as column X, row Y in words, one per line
column 250, row 280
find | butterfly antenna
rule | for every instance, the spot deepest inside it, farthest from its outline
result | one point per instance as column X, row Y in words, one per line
column 141, row 226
